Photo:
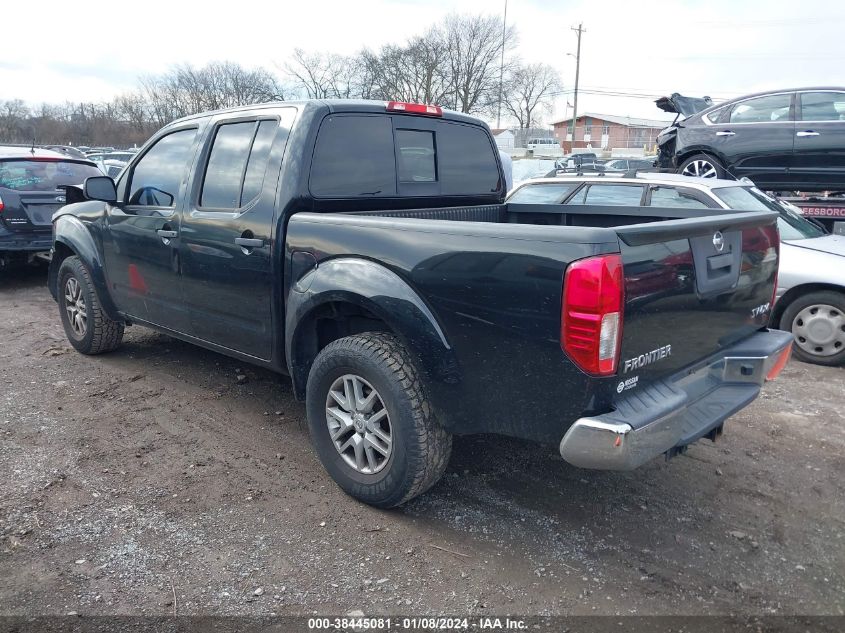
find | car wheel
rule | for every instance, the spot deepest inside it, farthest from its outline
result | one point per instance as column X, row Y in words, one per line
column 87, row 327
column 702, row 166
column 371, row 422
column 817, row 320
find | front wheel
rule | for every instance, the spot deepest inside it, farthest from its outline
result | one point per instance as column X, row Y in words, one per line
column 702, row 166
column 87, row 326
column 817, row 320
column 371, row 422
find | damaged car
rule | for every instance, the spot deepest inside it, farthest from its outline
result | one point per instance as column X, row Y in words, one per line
column 783, row 140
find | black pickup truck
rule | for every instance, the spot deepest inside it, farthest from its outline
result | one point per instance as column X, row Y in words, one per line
column 364, row 249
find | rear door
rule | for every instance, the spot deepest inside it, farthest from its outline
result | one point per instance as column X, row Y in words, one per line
column 819, row 158
column 29, row 190
column 694, row 286
column 226, row 238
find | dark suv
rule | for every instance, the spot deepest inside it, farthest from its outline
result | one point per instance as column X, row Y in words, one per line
column 29, row 194
column 782, row 140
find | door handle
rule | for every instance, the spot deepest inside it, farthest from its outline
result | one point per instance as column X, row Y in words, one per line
column 167, row 234
column 249, row 242
column 807, row 133
column 726, row 133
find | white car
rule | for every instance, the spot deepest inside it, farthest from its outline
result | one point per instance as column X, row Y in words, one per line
column 810, row 298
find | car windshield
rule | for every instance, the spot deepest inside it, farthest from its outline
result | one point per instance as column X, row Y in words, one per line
column 791, row 225
column 43, row 175
column 541, row 194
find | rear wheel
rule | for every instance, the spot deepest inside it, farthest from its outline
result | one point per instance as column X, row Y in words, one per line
column 817, row 320
column 87, row 327
column 702, row 166
column 371, row 422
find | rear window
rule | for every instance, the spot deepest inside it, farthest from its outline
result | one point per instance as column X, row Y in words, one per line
column 354, row 157
column 541, row 194
column 43, row 175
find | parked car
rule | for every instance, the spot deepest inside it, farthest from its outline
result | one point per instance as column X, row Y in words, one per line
column 782, row 140
column 124, row 156
column 578, row 161
column 111, row 167
column 30, row 181
column 626, row 164
column 73, row 152
column 407, row 308
column 810, row 298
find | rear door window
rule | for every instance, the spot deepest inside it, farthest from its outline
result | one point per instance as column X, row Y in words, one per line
column 236, row 164
column 823, row 106
column 43, row 175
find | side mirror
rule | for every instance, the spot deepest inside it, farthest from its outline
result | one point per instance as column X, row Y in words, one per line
column 100, row 188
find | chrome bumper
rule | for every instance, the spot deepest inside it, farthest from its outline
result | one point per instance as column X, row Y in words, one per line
column 677, row 411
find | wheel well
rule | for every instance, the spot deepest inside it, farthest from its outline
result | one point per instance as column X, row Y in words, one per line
column 326, row 323
column 61, row 252
column 793, row 293
column 690, row 153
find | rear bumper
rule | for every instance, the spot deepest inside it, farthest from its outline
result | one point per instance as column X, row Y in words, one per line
column 25, row 241
column 671, row 414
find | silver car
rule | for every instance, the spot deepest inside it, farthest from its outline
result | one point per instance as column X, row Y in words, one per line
column 810, row 298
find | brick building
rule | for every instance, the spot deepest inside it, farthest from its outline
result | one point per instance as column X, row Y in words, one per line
column 608, row 131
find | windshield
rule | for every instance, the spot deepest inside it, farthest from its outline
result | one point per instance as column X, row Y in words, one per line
column 791, row 225
column 43, row 175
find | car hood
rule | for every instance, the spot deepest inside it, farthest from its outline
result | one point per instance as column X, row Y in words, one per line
column 685, row 106
column 834, row 244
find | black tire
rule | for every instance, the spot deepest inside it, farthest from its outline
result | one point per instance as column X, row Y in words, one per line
column 802, row 350
column 702, row 164
column 100, row 333
column 420, row 446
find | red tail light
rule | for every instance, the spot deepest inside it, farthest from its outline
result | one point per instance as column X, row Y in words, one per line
column 414, row 108
column 591, row 316
column 1, row 205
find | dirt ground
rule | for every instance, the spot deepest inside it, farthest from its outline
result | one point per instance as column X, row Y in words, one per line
column 148, row 481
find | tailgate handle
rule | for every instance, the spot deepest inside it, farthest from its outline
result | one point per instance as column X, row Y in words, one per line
column 717, row 262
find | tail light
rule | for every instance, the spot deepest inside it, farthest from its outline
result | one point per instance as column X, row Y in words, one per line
column 414, row 108
column 1, row 205
column 780, row 363
column 591, row 315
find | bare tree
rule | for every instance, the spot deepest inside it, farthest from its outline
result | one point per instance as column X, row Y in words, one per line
column 474, row 48
column 529, row 92
column 324, row 75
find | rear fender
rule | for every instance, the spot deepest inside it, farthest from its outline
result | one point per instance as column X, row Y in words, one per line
column 382, row 293
column 71, row 237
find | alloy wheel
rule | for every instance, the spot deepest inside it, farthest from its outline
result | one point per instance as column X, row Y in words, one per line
column 77, row 311
column 820, row 330
column 701, row 169
column 359, row 424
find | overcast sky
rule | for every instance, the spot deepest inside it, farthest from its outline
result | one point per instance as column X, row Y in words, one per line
column 84, row 51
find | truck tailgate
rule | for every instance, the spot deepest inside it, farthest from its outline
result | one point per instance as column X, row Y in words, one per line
column 693, row 287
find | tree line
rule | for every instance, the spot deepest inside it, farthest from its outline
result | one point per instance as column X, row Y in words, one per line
column 457, row 63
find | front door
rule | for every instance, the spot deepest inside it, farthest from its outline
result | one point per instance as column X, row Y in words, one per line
column 756, row 136
column 819, row 159
column 141, row 247
column 226, row 245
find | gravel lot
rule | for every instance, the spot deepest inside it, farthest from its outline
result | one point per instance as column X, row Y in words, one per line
column 149, row 481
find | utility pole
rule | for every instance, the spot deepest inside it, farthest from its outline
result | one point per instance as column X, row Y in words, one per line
column 579, row 30
column 502, row 65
